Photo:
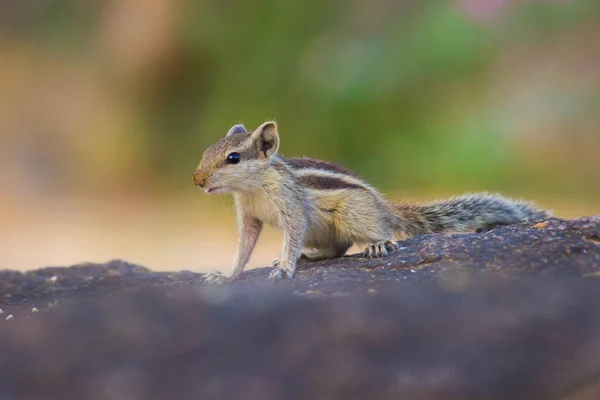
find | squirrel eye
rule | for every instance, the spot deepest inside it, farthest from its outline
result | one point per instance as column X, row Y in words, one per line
column 233, row 158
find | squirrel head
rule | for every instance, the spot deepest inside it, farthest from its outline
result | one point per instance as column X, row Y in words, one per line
column 232, row 164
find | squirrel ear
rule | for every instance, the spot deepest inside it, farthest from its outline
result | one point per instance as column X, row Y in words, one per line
column 266, row 139
column 239, row 128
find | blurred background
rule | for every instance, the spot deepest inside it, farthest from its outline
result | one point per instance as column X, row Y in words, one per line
column 106, row 107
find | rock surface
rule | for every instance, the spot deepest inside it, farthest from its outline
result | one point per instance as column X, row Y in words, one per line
column 510, row 313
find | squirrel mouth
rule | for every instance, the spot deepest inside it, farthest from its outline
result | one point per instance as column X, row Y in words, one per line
column 214, row 190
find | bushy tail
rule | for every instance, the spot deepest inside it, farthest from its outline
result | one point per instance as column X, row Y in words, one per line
column 463, row 214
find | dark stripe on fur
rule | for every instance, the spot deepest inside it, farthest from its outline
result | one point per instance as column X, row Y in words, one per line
column 304, row 163
column 326, row 183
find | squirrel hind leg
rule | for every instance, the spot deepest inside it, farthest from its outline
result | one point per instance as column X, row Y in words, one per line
column 381, row 248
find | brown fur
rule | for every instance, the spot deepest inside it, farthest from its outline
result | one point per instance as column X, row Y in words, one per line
column 306, row 163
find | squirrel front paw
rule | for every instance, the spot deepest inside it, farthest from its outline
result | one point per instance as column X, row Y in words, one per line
column 381, row 249
column 215, row 278
column 278, row 273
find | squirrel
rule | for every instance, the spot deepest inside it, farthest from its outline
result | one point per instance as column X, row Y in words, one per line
column 323, row 208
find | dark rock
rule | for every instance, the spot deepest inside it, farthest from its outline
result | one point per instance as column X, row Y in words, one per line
column 510, row 313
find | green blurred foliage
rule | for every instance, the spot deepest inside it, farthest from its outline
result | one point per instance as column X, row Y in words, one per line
column 409, row 94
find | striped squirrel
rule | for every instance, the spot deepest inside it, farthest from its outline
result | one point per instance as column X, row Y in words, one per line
column 323, row 208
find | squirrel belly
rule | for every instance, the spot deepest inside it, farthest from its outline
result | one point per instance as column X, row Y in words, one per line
column 323, row 208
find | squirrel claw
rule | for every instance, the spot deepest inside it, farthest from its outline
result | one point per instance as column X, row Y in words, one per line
column 381, row 249
column 276, row 275
column 215, row 278
column 279, row 273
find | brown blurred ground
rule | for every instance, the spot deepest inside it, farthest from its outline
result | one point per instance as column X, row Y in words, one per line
column 497, row 340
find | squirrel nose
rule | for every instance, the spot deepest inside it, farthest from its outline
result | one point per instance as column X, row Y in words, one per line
column 199, row 179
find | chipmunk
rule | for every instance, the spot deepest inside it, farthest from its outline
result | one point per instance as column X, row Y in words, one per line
column 323, row 208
